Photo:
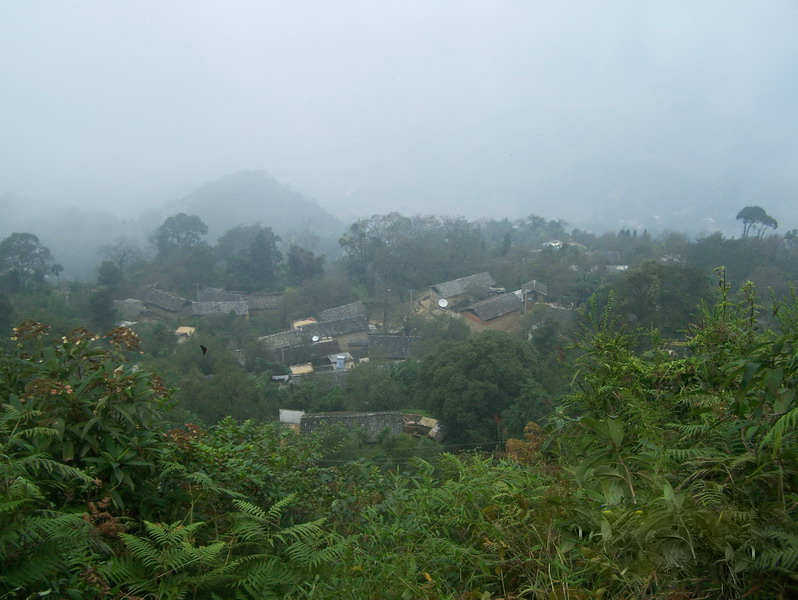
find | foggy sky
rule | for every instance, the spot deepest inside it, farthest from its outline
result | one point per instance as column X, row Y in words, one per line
column 501, row 108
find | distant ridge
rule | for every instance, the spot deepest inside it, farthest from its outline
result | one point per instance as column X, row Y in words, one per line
column 249, row 197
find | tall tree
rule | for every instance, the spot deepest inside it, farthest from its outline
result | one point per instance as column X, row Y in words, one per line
column 303, row 264
column 397, row 252
column 252, row 257
column 755, row 218
column 483, row 386
column 665, row 296
column 24, row 262
column 122, row 252
column 179, row 232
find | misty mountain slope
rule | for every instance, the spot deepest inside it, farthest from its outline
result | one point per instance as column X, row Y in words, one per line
column 74, row 235
column 249, row 197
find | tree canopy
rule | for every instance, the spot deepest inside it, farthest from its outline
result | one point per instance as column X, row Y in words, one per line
column 24, row 261
column 179, row 232
column 755, row 218
column 482, row 386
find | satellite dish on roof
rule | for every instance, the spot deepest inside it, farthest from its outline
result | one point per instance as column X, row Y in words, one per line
column 443, row 303
column 315, row 338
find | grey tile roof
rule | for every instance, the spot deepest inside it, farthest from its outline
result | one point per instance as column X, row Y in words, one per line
column 496, row 306
column 290, row 339
column 339, row 327
column 457, row 287
column 265, row 302
column 285, row 339
column 256, row 302
column 397, row 347
column 164, row 300
column 200, row 309
column 130, row 308
column 535, row 286
column 355, row 309
column 211, row 294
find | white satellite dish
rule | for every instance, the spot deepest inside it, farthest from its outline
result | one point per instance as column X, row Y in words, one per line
column 443, row 303
column 315, row 338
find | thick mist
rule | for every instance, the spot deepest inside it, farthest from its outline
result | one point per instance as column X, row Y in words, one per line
column 671, row 115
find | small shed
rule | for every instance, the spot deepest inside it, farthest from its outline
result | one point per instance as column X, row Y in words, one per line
column 184, row 332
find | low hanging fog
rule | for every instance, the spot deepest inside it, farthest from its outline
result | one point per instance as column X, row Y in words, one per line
column 658, row 115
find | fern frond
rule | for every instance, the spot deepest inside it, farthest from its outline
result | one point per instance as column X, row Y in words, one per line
column 786, row 423
column 276, row 510
column 784, row 559
column 201, row 478
column 250, row 510
column 142, row 549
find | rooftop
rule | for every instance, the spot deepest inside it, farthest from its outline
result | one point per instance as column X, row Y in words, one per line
column 456, row 287
column 347, row 311
column 396, row 347
column 535, row 286
column 164, row 300
column 240, row 308
column 212, row 294
column 495, row 307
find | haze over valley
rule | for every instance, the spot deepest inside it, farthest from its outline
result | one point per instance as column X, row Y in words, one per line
column 607, row 116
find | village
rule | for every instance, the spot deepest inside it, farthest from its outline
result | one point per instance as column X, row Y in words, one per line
column 327, row 345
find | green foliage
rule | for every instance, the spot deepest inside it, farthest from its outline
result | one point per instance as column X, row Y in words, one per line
column 371, row 387
column 178, row 233
column 24, row 262
column 251, row 257
column 303, row 264
column 91, row 410
column 668, row 470
column 661, row 296
column 170, row 563
column 472, row 385
column 400, row 252
column 755, row 217
column 102, row 314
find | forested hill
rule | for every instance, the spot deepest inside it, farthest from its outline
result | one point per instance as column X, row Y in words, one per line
column 247, row 197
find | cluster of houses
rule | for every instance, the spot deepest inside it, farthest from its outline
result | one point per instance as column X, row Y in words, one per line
column 334, row 341
column 158, row 305
column 479, row 302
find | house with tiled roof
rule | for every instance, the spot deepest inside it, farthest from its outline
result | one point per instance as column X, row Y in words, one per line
column 217, row 294
column 459, row 289
column 257, row 304
column 347, row 311
column 501, row 312
column 301, row 341
column 450, row 294
column 202, row 309
column 164, row 304
column 392, row 347
column 534, row 291
column 260, row 304
column 129, row 309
